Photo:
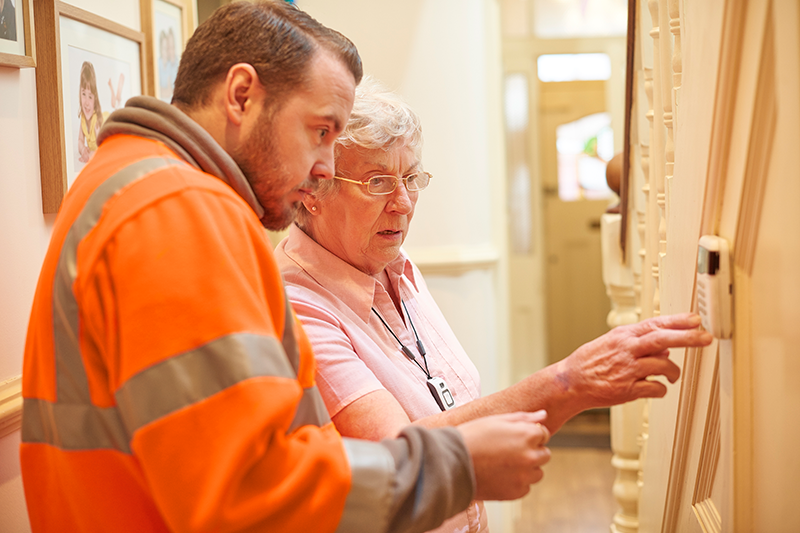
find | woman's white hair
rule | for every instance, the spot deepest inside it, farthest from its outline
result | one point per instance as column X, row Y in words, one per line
column 380, row 120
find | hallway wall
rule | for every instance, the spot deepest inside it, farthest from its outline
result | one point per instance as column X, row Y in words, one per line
column 23, row 239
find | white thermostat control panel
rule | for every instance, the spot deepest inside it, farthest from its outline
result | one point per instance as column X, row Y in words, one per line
column 714, row 287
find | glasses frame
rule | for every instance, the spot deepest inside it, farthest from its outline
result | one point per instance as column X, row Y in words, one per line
column 396, row 181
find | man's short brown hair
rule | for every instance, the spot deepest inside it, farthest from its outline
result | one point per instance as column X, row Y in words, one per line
column 276, row 38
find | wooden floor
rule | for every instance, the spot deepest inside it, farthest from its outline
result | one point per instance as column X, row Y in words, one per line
column 575, row 494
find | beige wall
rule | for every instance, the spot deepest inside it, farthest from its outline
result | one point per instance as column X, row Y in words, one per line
column 23, row 240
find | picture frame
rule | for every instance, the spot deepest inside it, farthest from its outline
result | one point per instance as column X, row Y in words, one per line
column 167, row 25
column 17, row 45
column 87, row 66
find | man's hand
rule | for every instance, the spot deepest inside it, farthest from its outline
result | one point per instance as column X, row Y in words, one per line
column 507, row 453
column 614, row 368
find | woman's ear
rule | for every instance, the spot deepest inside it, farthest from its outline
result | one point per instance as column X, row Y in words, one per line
column 311, row 204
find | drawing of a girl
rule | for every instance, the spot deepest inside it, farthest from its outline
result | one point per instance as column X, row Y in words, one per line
column 91, row 113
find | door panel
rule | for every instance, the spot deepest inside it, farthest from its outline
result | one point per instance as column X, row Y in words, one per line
column 727, row 440
column 577, row 305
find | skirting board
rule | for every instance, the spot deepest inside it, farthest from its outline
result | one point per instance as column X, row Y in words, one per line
column 10, row 406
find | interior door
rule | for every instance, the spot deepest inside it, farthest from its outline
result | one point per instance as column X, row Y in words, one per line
column 577, row 305
column 720, row 450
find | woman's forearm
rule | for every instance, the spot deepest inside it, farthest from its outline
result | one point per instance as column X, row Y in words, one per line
column 549, row 389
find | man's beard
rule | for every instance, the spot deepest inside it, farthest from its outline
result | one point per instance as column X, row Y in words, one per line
column 261, row 165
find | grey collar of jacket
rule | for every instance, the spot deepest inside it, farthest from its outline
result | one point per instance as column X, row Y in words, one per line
column 149, row 117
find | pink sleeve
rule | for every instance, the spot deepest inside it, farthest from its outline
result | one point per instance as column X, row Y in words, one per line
column 342, row 377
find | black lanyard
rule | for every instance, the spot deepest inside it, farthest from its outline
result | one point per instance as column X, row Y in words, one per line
column 406, row 350
column 437, row 386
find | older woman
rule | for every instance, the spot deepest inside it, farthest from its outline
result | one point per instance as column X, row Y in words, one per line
column 386, row 356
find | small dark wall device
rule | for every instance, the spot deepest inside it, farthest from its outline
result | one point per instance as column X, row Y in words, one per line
column 441, row 393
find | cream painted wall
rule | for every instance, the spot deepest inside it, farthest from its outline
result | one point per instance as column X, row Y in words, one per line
column 125, row 12
column 26, row 231
column 443, row 57
column 23, row 240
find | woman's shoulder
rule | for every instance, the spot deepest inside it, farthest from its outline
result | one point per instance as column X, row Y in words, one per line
column 301, row 287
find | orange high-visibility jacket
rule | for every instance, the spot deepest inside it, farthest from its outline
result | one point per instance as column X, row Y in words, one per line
column 167, row 384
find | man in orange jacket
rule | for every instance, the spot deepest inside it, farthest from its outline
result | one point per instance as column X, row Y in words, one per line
column 167, row 384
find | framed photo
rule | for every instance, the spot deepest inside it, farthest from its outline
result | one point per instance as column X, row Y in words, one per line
column 16, row 34
column 167, row 24
column 88, row 67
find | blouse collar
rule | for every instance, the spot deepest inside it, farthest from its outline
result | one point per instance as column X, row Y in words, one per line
column 355, row 288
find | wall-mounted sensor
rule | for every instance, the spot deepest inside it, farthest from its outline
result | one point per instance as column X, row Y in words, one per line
column 714, row 287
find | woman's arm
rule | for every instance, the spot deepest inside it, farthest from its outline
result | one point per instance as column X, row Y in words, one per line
column 375, row 416
column 83, row 151
column 609, row 370
column 378, row 415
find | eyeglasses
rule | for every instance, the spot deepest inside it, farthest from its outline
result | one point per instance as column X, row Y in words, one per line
column 379, row 185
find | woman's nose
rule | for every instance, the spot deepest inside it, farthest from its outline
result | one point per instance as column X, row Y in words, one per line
column 401, row 201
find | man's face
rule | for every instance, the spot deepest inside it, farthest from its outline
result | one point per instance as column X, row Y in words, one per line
column 294, row 146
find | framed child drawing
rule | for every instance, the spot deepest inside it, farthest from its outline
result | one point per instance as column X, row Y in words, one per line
column 16, row 34
column 88, row 67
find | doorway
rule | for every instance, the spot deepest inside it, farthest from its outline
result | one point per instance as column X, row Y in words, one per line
column 576, row 301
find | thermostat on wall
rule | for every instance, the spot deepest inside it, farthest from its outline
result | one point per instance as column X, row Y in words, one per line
column 714, row 288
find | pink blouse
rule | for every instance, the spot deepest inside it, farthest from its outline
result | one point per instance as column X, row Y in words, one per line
column 355, row 352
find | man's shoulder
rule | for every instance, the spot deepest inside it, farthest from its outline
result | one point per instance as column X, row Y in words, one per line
column 136, row 173
column 124, row 150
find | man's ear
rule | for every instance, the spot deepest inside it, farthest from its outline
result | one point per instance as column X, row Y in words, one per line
column 243, row 90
